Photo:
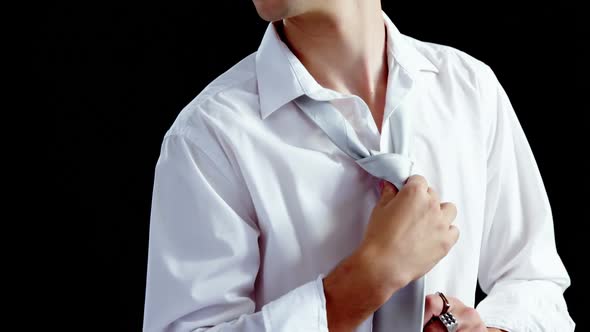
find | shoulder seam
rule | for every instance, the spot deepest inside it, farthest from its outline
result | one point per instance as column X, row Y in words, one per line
column 199, row 99
column 249, row 208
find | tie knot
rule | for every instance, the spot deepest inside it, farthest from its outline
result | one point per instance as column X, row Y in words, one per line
column 393, row 167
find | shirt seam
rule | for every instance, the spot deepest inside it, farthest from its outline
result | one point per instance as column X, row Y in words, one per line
column 201, row 99
column 249, row 208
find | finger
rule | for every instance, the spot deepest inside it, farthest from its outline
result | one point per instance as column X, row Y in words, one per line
column 433, row 305
column 468, row 319
column 454, row 234
column 435, row 326
column 391, row 186
column 449, row 211
column 433, row 195
column 388, row 192
column 417, row 180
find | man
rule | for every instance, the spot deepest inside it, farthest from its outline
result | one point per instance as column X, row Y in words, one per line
column 261, row 223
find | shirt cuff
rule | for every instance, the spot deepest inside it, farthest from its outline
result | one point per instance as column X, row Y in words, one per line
column 525, row 308
column 301, row 309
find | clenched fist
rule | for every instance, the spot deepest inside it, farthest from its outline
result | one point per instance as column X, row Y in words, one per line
column 409, row 232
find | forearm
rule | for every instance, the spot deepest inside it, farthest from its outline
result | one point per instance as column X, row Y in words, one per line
column 354, row 291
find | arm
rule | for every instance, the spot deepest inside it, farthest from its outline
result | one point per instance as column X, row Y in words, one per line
column 520, row 269
column 203, row 252
column 409, row 231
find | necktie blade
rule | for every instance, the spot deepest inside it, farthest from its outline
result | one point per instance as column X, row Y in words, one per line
column 331, row 121
column 404, row 311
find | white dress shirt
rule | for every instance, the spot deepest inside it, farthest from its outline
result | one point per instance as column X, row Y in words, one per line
column 253, row 204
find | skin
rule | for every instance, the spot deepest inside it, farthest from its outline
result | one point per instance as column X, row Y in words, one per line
column 342, row 45
column 331, row 37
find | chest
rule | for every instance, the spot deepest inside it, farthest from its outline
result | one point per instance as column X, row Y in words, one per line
column 313, row 201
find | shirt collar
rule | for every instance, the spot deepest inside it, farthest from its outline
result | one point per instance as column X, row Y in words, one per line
column 282, row 77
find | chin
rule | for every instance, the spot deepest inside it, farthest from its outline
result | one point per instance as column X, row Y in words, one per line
column 274, row 10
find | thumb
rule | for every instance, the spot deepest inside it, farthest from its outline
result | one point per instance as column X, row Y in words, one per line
column 388, row 189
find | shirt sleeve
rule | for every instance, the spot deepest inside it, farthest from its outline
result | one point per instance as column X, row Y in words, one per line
column 203, row 253
column 520, row 269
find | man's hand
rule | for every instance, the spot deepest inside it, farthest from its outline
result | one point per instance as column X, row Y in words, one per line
column 409, row 231
column 468, row 318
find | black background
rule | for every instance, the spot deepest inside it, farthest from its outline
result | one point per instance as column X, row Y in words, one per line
column 117, row 76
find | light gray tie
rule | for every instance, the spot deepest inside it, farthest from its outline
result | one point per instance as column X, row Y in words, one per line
column 404, row 311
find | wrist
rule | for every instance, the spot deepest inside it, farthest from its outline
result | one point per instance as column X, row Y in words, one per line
column 353, row 292
column 383, row 271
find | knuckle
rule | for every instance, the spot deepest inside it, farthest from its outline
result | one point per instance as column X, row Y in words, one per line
column 422, row 183
column 446, row 245
column 454, row 209
column 455, row 234
column 451, row 206
column 414, row 177
column 433, row 205
column 412, row 186
column 418, row 179
column 412, row 190
column 455, row 301
column 471, row 314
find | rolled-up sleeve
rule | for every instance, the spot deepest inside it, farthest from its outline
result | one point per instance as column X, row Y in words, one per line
column 520, row 269
column 203, row 255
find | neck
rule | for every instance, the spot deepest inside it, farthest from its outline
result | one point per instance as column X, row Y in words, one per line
column 342, row 45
